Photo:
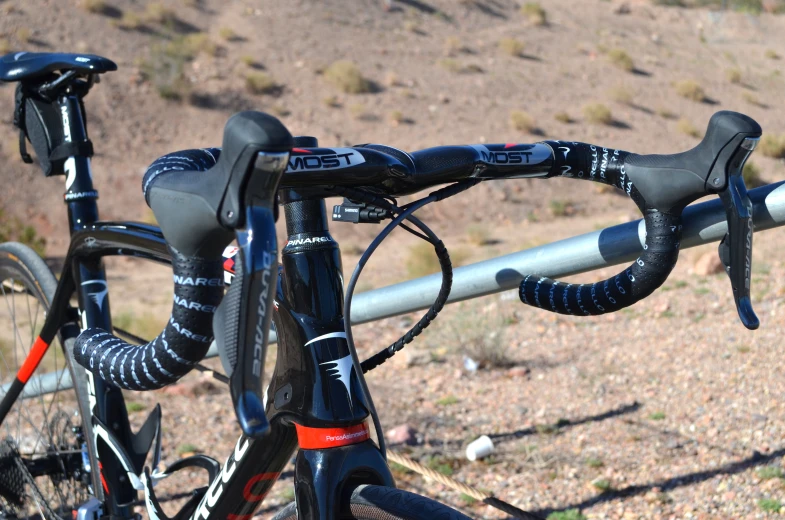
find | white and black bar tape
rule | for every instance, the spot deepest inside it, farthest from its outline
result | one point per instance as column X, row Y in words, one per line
column 198, row 289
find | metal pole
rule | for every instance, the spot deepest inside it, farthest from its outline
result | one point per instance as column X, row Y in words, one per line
column 703, row 223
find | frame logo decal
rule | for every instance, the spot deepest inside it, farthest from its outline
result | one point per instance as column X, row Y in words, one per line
column 217, row 487
column 323, row 159
column 98, row 296
column 532, row 154
column 342, row 371
column 320, row 438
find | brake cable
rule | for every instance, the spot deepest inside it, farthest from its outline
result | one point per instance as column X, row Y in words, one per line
column 404, row 212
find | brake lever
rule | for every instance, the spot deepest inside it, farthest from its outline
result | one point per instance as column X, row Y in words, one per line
column 735, row 250
column 258, row 264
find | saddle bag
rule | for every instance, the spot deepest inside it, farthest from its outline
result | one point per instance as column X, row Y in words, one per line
column 41, row 122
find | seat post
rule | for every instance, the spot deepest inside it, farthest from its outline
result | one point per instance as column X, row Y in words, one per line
column 79, row 192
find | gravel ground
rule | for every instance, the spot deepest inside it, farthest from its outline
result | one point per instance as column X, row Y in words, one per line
column 669, row 409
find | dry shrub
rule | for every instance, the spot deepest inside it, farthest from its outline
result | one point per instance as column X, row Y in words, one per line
column 734, row 75
column 15, row 230
column 358, row 111
column 165, row 68
column 562, row 208
column 128, row 22
column 93, row 6
column 687, row 128
column 23, row 34
column 512, row 46
column 690, row 89
column 260, row 83
column 751, row 175
column 347, row 77
column 666, row 113
column 411, row 26
column 522, row 121
column 478, row 235
column 227, row 34
column 483, row 338
column 620, row 59
column 771, row 54
column 331, row 101
column 752, row 99
column 772, row 145
column 422, row 259
column 250, row 61
column 5, row 46
column 156, row 12
column 193, row 44
column 534, row 13
column 622, row 94
column 598, row 114
column 451, row 65
column 453, row 45
column 396, row 117
column 563, row 117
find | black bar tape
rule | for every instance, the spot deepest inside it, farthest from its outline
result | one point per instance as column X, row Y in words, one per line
column 638, row 281
column 198, row 289
column 593, row 163
column 198, row 160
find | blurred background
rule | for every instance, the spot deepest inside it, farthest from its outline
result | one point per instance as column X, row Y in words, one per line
column 668, row 409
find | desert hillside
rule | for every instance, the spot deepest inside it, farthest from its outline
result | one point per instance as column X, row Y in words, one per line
column 430, row 73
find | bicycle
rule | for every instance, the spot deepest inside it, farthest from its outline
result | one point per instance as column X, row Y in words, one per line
column 93, row 465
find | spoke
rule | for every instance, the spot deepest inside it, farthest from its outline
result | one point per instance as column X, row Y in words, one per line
column 54, row 395
column 12, row 373
column 30, row 320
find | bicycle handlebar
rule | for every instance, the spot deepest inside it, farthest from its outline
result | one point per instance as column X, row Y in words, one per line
column 202, row 200
column 205, row 198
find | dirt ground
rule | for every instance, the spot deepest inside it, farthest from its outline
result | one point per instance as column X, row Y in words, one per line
column 669, row 409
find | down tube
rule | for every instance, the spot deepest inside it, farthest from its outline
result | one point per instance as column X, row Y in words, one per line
column 248, row 474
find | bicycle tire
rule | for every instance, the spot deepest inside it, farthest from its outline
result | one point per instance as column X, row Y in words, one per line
column 385, row 503
column 52, row 423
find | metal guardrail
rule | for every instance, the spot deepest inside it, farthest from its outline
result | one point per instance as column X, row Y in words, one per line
column 703, row 223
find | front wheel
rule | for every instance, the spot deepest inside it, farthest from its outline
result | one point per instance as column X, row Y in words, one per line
column 386, row 503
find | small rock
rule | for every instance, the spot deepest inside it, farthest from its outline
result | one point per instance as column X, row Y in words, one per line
column 708, row 264
column 623, row 9
column 402, row 434
column 661, row 306
column 416, row 357
column 518, row 372
column 469, row 364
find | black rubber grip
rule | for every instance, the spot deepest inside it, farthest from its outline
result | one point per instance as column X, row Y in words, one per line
column 226, row 322
column 636, row 282
column 198, row 289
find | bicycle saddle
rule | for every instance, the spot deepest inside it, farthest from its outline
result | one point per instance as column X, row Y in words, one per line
column 23, row 66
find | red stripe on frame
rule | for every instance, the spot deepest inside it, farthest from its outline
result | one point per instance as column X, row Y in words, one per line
column 103, row 480
column 318, row 438
column 248, row 493
column 301, row 150
column 33, row 358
